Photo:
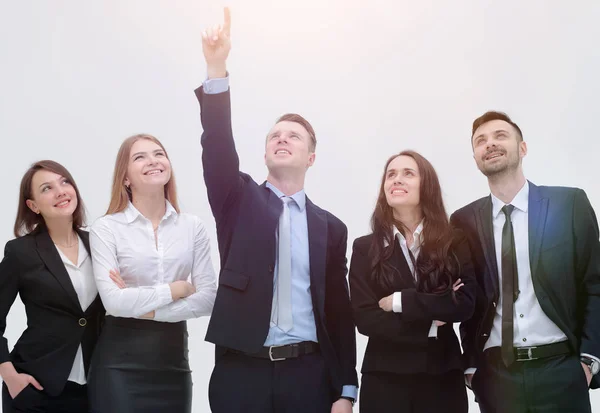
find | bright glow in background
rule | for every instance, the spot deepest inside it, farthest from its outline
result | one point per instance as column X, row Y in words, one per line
column 374, row 78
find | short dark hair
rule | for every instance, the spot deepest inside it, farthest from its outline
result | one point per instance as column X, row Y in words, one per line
column 494, row 115
column 294, row 117
column 28, row 221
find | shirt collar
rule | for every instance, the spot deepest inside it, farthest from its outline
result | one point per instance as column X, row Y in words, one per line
column 82, row 255
column 299, row 197
column 131, row 212
column 416, row 235
column 520, row 201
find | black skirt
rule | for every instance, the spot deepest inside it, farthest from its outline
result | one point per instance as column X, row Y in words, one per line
column 141, row 366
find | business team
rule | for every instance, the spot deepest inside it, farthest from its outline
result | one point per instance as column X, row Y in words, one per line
column 106, row 312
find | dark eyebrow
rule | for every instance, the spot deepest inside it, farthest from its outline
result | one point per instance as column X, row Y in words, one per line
column 404, row 169
column 48, row 183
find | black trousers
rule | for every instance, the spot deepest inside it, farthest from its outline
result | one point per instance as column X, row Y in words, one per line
column 240, row 383
column 141, row 366
column 413, row 393
column 550, row 385
column 73, row 399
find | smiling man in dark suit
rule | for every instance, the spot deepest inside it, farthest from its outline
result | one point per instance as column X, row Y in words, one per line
column 282, row 318
column 534, row 342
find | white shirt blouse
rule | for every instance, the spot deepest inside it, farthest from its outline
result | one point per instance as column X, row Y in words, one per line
column 125, row 242
column 82, row 278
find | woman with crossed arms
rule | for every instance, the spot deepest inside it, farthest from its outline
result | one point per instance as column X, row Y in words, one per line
column 144, row 250
column 409, row 281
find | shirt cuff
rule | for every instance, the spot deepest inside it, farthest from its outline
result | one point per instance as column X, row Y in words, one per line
column 433, row 330
column 470, row 370
column 350, row 391
column 596, row 359
column 216, row 86
column 164, row 295
column 397, row 302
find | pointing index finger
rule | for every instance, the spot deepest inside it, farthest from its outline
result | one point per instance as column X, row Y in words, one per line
column 227, row 21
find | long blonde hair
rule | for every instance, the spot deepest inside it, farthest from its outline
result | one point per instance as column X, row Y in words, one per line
column 120, row 195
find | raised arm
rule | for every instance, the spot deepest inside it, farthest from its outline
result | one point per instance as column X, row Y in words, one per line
column 219, row 156
column 126, row 302
column 203, row 278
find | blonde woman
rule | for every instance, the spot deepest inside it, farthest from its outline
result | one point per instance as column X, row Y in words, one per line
column 144, row 251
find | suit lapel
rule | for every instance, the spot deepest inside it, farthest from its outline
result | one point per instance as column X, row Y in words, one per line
column 486, row 236
column 53, row 262
column 538, row 210
column 317, row 248
column 85, row 238
column 274, row 206
column 398, row 261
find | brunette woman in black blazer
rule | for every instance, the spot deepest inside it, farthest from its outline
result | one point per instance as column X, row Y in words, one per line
column 49, row 266
column 409, row 281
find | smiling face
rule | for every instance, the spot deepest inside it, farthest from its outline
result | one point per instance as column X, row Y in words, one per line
column 52, row 196
column 497, row 148
column 289, row 146
column 402, row 184
column 148, row 167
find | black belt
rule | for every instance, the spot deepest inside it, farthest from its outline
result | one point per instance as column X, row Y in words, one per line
column 288, row 351
column 533, row 352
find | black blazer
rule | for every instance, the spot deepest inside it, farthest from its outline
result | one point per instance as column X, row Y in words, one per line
column 246, row 216
column 398, row 342
column 56, row 324
column 564, row 254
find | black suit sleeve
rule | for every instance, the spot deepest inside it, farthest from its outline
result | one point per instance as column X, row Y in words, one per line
column 338, row 311
column 587, row 265
column 468, row 328
column 219, row 157
column 370, row 319
column 444, row 307
column 9, row 286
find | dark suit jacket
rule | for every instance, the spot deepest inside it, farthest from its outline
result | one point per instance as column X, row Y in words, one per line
column 46, row 350
column 246, row 216
column 564, row 254
column 398, row 342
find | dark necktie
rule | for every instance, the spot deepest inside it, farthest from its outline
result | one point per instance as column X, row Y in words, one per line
column 510, row 286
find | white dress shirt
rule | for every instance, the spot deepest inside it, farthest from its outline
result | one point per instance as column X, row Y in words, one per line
column 532, row 326
column 415, row 248
column 125, row 242
column 82, row 278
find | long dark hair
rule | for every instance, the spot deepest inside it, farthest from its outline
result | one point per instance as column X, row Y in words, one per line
column 28, row 221
column 436, row 263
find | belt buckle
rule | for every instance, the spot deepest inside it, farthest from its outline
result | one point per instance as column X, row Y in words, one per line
column 525, row 354
column 271, row 354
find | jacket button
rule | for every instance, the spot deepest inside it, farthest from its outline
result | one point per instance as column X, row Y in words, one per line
column 494, row 304
column 271, row 268
column 82, row 322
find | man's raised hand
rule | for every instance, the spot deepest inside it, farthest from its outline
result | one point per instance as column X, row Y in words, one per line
column 216, row 44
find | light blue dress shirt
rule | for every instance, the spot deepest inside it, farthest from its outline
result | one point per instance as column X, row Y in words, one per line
column 304, row 328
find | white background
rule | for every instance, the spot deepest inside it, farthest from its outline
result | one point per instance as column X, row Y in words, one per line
column 374, row 78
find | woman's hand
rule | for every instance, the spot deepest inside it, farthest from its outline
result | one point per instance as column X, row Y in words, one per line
column 115, row 276
column 16, row 382
column 387, row 303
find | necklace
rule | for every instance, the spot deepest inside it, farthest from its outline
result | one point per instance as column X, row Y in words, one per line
column 67, row 246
